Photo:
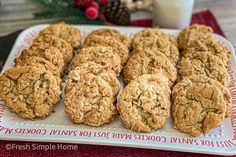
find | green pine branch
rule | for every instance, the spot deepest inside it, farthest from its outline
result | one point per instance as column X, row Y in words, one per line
column 64, row 9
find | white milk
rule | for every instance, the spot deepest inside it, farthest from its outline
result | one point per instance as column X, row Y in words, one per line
column 172, row 13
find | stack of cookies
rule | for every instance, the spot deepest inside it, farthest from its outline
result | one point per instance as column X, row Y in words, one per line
column 33, row 86
column 153, row 51
column 92, row 85
column 201, row 99
column 149, row 74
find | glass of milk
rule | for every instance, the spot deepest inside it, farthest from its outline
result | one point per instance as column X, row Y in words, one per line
column 172, row 13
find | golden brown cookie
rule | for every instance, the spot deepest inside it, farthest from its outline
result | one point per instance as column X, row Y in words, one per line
column 89, row 99
column 203, row 63
column 212, row 46
column 156, row 40
column 153, row 32
column 206, row 80
column 40, row 63
column 146, row 62
column 115, row 34
column 155, row 44
column 51, row 54
column 143, row 105
column 198, row 106
column 159, row 78
column 100, row 55
column 99, row 70
column 193, row 33
column 54, row 41
column 29, row 92
column 117, row 46
column 64, row 31
column 173, row 40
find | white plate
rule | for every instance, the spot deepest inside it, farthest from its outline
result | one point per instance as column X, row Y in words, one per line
column 57, row 127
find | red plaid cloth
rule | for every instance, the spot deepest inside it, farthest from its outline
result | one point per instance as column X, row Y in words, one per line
column 203, row 17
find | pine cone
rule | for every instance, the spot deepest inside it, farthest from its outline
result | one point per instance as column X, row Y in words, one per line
column 117, row 12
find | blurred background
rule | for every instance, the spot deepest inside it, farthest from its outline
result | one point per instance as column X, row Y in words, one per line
column 20, row 14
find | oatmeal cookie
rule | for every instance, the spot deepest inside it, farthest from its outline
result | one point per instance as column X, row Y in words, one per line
column 160, row 79
column 100, row 55
column 160, row 45
column 146, row 62
column 99, row 70
column 51, row 54
column 194, row 33
column 29, row 92
column 202, row 79
column 173, row 40
column 197, row 107
column 58, row 43
column 212, row 46
column 203, row 63
column 64, row 31
column 40, row 63
column 143, row 106
column 111, row 33
column 89, row 99
column 117, row 46
column 153, row 32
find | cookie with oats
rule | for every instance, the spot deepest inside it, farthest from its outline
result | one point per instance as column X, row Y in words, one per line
column 159, row 78
column 40, row 63
column 51, row 54
column 155, row 44
column 117, row 46
column 146, row 62
column 143, row 105
column 214, row 47
column 29, row 92
column 157, row 40
column 202, row 79
column 153, row 32
column 54, row 41
column 193, row 33
column 203, row 63
column 89, row 99
column 115, row 34
column 99, row 70
column 64, row 31
column 198, row 105
column 100, row 55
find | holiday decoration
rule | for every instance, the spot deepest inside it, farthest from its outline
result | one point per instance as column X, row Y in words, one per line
column 83, row 3
column 116, row 12
column 70, row 11
column 135, row 5
column 103, row 2
column 94, row 4
column 91, row 13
